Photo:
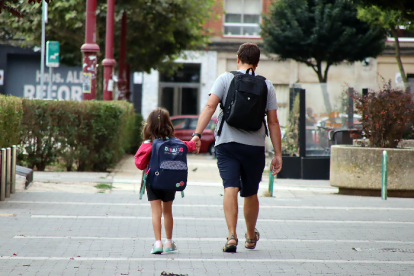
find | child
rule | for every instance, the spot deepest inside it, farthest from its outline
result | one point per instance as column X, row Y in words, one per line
column 159, row 125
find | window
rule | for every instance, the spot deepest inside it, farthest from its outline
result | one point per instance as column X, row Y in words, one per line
column 403, row 35
column 242, row 18
column 179, row 123
column 193, row 124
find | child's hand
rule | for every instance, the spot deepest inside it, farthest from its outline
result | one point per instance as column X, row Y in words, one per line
column 197, row 141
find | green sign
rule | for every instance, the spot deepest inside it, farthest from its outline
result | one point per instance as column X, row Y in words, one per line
column 52, row 53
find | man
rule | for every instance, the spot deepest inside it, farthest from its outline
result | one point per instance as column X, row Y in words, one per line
column 241, row 154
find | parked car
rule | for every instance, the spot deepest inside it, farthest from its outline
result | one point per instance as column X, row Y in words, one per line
column 338, row 122
column 185, row 125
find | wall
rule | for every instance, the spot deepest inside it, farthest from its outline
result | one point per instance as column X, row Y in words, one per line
column 387, row 67
column 6, row 50
column 22, row 79
column 208, row 61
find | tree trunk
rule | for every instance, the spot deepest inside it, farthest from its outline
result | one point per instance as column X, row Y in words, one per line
column 398, row 56
column 323, row 81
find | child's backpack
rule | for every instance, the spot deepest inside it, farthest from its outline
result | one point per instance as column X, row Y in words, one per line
column 246, row 101
column 167, row 169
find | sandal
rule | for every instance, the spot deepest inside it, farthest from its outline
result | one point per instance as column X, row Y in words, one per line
column 231, row 247
column 255, row 240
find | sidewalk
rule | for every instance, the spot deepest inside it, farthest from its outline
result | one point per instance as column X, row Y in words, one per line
column 203, row 179
column 306, row 229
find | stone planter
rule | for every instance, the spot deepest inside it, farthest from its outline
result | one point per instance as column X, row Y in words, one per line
column 358, row 170
column 366, row 143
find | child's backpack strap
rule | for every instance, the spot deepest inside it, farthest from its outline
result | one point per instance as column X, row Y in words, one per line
column 144, row 182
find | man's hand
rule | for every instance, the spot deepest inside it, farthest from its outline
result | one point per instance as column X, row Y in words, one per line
column 276, row 165
column 197, row 141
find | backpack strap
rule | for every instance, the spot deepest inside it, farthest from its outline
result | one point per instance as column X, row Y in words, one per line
column 229, row 97
column 253, row 73
column 267, row 131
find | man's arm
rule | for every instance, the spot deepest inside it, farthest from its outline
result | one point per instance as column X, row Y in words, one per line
column 275, row 137
column 205, row 117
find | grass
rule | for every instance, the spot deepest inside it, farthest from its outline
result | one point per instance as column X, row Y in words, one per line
column 104, row 186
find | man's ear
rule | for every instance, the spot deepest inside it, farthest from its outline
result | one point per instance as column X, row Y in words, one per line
column 238, row 59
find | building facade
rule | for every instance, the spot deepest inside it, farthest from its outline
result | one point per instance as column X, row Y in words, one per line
column 238, row 21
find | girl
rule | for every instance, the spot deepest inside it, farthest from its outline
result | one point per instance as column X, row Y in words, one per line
column 159, row 126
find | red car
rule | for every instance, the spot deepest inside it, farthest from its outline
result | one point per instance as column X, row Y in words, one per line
column 184, row 126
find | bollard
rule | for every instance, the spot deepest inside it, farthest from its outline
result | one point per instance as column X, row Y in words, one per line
column 8, row 172
column 271, row 180
column 384, row 175
column 13, row 170
column 2, row 174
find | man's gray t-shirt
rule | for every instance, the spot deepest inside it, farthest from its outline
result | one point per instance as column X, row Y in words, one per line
column 231, row 134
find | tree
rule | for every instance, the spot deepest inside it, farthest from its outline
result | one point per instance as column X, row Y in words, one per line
column 406, row 7
column 320, row 32
column 391, row 20
column 158, row 30
column 12, row 7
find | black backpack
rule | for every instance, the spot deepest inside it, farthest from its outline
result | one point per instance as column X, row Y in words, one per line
column 246, row 101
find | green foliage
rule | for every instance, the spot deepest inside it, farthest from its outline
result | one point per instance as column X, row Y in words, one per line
column 391, row 20
column 320, row 31
column 136, row 133
column 388, row 19
column 158, row 30
column 12, row 7
column 386, row 115
column 290, row 141
column 406, row 7
column 10, row 117
column 90, row 135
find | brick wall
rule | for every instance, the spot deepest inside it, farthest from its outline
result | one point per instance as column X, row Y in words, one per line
column 266, row 4
column 215, row 24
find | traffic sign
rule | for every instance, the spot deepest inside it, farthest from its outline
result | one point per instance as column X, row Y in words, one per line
column 52, row 53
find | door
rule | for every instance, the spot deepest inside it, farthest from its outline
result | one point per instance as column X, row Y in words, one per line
column 179, row 99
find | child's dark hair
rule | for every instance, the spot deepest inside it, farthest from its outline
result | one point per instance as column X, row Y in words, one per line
column 158, row 125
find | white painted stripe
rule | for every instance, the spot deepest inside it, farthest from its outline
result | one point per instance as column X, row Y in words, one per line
column 261, row 185
column 161, row 258
column 216, row 205
column 219, row 219
column 212, row 239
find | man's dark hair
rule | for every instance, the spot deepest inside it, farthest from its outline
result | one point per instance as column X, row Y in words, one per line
column 249, row 53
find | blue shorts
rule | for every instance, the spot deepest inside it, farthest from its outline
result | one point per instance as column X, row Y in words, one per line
column 241, row 166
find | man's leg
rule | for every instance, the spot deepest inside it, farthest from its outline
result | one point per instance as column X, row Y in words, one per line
column 251, row 212
column 231, row 209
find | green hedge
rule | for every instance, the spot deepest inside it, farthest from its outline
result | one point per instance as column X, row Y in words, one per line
column 136, row 133
column 86, row 136
column 10, row 117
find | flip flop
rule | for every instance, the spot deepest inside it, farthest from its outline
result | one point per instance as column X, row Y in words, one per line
column 231, row 248
column 255, row 240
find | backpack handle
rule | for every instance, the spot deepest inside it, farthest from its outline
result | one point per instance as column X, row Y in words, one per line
column 247, row 72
